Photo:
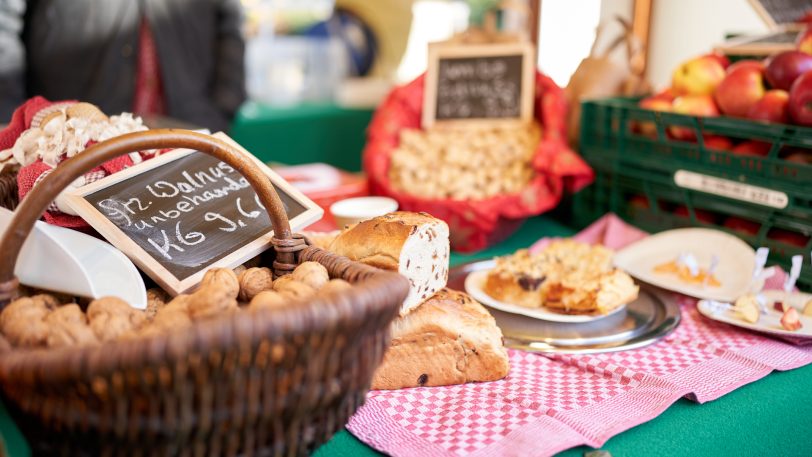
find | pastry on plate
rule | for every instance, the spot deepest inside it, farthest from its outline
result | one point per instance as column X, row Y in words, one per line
column 567, row 276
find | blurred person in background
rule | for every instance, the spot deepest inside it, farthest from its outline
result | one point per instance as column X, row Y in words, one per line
column 176, row 58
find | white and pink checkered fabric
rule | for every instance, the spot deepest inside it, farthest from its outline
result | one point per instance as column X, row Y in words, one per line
column 551, row 403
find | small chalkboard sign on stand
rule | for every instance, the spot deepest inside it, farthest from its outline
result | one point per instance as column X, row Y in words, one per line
column 184, row 212
column 478, row 84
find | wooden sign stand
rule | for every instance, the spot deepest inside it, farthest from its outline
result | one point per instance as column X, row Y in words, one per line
column 170, row 213
column 441, row 52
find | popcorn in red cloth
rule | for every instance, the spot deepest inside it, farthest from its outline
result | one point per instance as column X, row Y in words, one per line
column 477, row 224
column 42, row 134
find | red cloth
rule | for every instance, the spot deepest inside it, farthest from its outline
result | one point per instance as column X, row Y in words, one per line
column 149, row 96
column 21, row 120
column 477, row 224
column 27, row 176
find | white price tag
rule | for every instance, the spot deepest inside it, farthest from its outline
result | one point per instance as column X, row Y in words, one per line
column 760, row 261
column 688, row 259
column 731, row 189
column 794, row 273
column 711, row 268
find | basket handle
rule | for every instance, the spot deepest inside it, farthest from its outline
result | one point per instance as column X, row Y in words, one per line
column 35, row 203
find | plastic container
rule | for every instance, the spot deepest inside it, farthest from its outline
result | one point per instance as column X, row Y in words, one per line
column 657, row 182
column 288, row 70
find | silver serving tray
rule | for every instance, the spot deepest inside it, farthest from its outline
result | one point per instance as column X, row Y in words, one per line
column 652, row 316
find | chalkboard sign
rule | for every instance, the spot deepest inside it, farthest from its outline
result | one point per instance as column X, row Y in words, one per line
column 476, row 84
column 781, row 12
column 184, row 212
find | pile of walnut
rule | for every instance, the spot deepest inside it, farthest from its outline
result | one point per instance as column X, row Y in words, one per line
column 42, row 321
column 470, row 164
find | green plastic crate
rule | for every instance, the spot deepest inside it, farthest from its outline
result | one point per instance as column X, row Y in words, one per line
column 636, row 177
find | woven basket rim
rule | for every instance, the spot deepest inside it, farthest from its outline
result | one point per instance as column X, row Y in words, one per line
column 305, row 316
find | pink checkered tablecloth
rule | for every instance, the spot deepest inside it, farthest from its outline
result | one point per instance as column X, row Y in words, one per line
column 549, row 403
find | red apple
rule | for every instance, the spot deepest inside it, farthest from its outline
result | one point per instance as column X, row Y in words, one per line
column 721, row 58
column 791, row 320
column 747, row 63
column 804, row 41
column 742, row 88
column 654, row 103
column 666, row 94
column 698, row 76
column 772, row 107
column 788, row 237
column 752, row 148
column 784, row 67
column 800, row 99
column 701, row 215
column 717, row 142
column 639, row 202
column 796, row 155
column 695, row 105
column 742, row 225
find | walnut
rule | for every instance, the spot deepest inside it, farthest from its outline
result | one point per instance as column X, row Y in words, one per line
column 335, row 285
column 280, row 282
column 224, row 278
column 47, row 300
column 167, row 320
column 269, row 299
column 179, row 303
column 156, row 299
column 67, row 326
column 110, row 317
column 211, row 300
column 311, row 273
column 173, row 316
column 253, row 281
column 295, row 289
column 23, row 321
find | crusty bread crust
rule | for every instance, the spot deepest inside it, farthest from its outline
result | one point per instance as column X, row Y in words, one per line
column 378, row 241
column 449, row 339
column 415, row 245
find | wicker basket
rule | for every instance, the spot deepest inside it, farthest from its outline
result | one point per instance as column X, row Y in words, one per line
column 278, row 382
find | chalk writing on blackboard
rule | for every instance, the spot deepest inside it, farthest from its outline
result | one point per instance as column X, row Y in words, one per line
column 187, row 213
column 487, row 87
column 478, row 83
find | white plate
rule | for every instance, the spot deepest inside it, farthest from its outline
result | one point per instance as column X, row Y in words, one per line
column 474, row 285
column 735, row 268
column 767, row 323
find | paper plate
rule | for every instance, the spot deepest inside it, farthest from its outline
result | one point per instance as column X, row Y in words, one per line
column 474, row 285
column 734, row 271
column 769, row 323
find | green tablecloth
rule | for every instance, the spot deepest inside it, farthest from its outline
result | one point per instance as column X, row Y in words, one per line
column 303, row 134
column 772, row 416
